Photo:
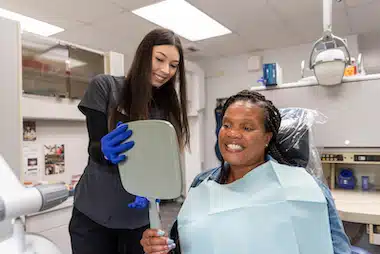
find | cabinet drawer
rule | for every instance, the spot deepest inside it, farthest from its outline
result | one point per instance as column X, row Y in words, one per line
column 374, row 234
column 45, row 221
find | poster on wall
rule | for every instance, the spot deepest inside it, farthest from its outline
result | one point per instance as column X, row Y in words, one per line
column 31, row 154
column 29, row 131
column 54, row 159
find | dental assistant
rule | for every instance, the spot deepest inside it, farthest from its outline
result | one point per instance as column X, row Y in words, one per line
column 104, row 218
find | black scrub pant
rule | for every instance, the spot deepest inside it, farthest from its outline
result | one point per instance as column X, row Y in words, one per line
column 88, row 237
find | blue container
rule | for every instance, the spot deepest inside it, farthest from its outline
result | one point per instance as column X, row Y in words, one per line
column 270, row 74
column 365, row 183
column 346, row 179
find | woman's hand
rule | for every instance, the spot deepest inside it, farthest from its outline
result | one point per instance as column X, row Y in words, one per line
column 111, row 144
column 155, row 241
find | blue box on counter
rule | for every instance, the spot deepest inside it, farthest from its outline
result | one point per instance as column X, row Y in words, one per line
column 272, row 74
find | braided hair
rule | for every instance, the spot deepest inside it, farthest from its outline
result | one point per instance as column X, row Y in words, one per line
column 272, row 122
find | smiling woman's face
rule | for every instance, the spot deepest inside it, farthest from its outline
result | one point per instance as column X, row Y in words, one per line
column 165, row 60
column 242, row 137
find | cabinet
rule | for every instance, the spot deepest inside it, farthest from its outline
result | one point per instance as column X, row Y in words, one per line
column 54, row 68
column 357, row 205
column 11, row 125
column 195, row 88
column 55, row 76
column 193, row 157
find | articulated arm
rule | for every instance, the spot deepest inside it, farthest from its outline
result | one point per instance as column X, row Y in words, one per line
column 17, row 200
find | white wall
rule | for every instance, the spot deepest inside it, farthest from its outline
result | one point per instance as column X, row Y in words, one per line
column 73, row 134
column 229, row 75
column 369, row 46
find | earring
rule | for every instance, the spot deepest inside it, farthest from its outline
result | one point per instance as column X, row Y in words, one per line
column 266, row 145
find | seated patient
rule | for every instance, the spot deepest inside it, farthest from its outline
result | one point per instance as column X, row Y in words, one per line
column 255, row 202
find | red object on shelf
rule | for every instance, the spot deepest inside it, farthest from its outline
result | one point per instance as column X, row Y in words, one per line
column 35, row 65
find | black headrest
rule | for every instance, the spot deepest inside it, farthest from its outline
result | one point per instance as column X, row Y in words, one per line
column 293, row 135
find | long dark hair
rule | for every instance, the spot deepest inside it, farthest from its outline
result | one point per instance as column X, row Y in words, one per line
column 272, row 122
column 138, row 95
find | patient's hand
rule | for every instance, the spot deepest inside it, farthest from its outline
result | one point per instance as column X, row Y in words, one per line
column 156, row 241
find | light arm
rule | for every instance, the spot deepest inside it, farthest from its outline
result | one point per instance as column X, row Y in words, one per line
column 17, row 200
column 327, row 16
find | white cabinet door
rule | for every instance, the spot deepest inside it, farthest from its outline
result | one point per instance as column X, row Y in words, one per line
column 53, row 225
column 45, row 221
column 195, row 88
column 61, row 237
column 192, row 158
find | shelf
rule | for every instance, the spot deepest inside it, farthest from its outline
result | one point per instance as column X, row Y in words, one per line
column 356, row 162
column 312, row 81
column 367, row 158
column 50, row 108
column 38, row 74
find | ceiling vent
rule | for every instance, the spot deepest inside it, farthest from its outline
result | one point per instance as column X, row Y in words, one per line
column 191, row 49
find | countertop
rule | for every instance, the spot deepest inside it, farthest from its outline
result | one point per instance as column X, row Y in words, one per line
column 358, row 206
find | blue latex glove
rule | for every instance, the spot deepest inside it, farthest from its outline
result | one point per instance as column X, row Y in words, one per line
column 140, row 202
column 111, row 143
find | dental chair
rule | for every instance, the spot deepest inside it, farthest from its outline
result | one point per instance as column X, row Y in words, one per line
column 296, row 139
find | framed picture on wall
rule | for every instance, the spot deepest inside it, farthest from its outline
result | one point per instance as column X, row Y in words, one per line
column 31, row 155
column 29, row 131
column 54, row 159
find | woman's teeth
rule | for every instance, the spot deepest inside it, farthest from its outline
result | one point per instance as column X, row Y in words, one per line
column 235, row 147
column 159, row 77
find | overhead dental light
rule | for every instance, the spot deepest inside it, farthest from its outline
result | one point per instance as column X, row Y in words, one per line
column 329, row 56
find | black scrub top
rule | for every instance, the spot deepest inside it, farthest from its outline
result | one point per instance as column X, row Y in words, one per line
column 99, row 193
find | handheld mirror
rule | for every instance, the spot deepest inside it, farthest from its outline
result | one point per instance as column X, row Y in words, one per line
column 152, row 168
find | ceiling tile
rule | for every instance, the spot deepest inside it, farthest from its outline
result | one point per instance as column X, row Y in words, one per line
column 257, row 24
column 274, row 37
column 89, row 37
column 70, row 10
column 42, row 13
column 357, row 3
column 308, row 24
column 365, row 18
column 294, row 8
column 85, row 10
column 222, row 45
column 253, row 21
column 130, row 27
column 340, row 22
column 307, row 27
column 132, row 5
column 340, row 5
column 233, row 14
